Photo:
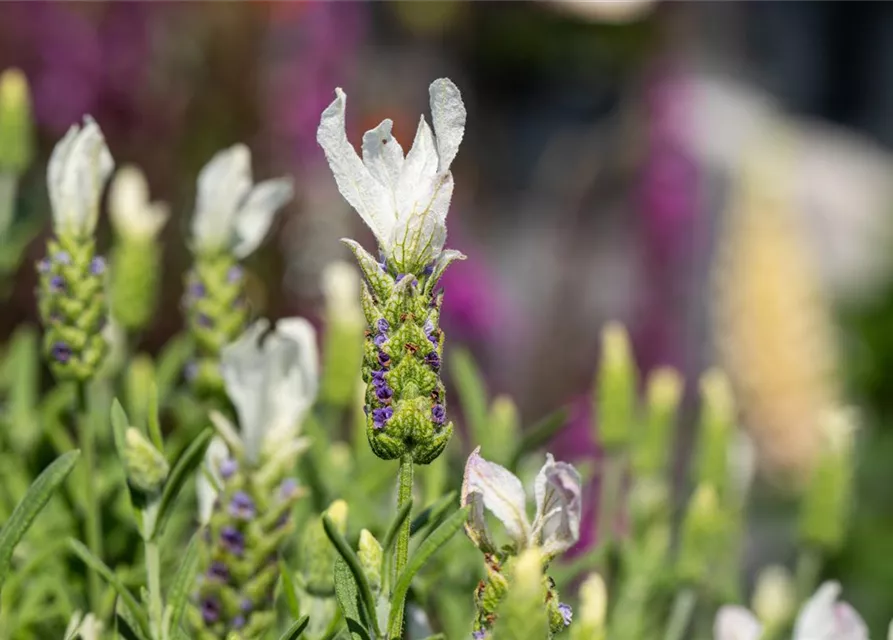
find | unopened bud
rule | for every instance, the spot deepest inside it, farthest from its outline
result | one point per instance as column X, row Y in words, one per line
column 318, row 552
column 615, row 396
column 146, row 467
column 716, row 430
column 16, row 124
column 522, row 615
column 654, row 441
column 775, row 598
column 702, row 536
column 593, row 610
column 370, row 554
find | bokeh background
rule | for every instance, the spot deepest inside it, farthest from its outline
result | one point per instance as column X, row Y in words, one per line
column 604, row 156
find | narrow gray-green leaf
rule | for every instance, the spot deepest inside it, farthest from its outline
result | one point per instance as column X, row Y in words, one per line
column 428, row 548
column 125, row 624
column 294, row 631
column 184, row 468
column 348, row 597
column 126, row 598
column 356, row 569
column 171, row 363
column 26, row 511
column 289, row 589
column 178, row 593
column 472, row 395
column 120, row 424
column 433, row 514
column 399, row 519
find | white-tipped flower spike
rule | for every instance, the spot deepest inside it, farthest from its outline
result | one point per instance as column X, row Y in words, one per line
column 76, row 175
column 822, row 617
column 404, row 200
column 231, row 212
column 556, row 526
column 132, row 215
column 272, row 383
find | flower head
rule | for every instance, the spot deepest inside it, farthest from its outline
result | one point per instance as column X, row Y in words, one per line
column 822, row 617
column 230, row 211
column 76, row 175
column 131, row 212
column 404, row 200
column 556, row 526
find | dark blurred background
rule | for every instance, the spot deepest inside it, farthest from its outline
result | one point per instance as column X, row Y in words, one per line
column 600, row 158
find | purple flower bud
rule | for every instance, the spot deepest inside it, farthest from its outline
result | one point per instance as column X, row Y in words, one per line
column 43, row 266
column 242, row 506
column 400, row 277
column 428, row 327
column 238, row 622
column 197, row 290
column 381, row 416
column 203, row 320
column 428, row 270
column 232, row 540
column 567, row 614
column 378, row 378
column 382, row 325
column 228, row 466
column 234, row 274
column 246, row 605
column 384, row 393
column 384, row 359
column 438, row 414
column 379, row 339
column 97, row 265
column 218, row 571
column 61, row 352
column 57, row 284
column 62, row 257
column 433, row 339
column 210, row 610
column 433, row 360
column 480, row 634
column 288, row 488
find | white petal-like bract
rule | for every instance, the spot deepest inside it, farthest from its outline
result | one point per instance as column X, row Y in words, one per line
column 500, row 491
column 131, row 212
column 558, row 506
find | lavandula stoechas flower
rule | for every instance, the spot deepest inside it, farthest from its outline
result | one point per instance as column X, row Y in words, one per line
column 232, row 217
column 245, row 492
column 136, row 255
column 71, row 294
column 404, row 200
column 555, row 528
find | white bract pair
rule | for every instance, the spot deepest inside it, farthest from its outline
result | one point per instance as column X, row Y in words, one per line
column 132, row 214
column 231, row 212
column 77, row 172
column 272, row 383
column 823, row 617
column 404, row 200
column 556, row 525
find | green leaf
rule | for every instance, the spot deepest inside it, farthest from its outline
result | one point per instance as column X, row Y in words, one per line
column 348, row 597
column 289, row 589
column 178, row 592
column 171, row 362
column 183, row 469
column 125, row 625
column 433, row 514
column 154, row 426
column 31, row 505
column 472, row 395
column 428, row 548
column 139, row 618
column 120, row 424
column 294, row 631
column 399, row 519
column 538, row 435
column 356, row 569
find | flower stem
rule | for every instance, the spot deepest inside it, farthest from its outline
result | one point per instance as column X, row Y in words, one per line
column 809, row 568
column 680, row 615
column 609, row 494
column 401, row 549
column 153, row 578
column 92, row 513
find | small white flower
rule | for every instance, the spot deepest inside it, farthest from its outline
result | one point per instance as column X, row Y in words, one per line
column 556, row 526
column 272, row 383
column 403, row 200
column 77, row 172
column 231, row 212
column 133, row 216
column 822, row 617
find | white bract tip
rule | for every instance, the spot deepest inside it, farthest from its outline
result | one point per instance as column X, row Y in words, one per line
column 824, row 617
column 492, row 487
column 131, row 212
column 231, row 212
column 404, row 200
column 734, row 622
column 272, row 382
column 77, row 172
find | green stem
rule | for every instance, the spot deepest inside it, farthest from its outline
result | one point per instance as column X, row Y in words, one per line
column 92, row 513
column 609, row 495
column 809, row 568
column 8, row 187
column 153, row 578
column 680, row 616
column 401, row 549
